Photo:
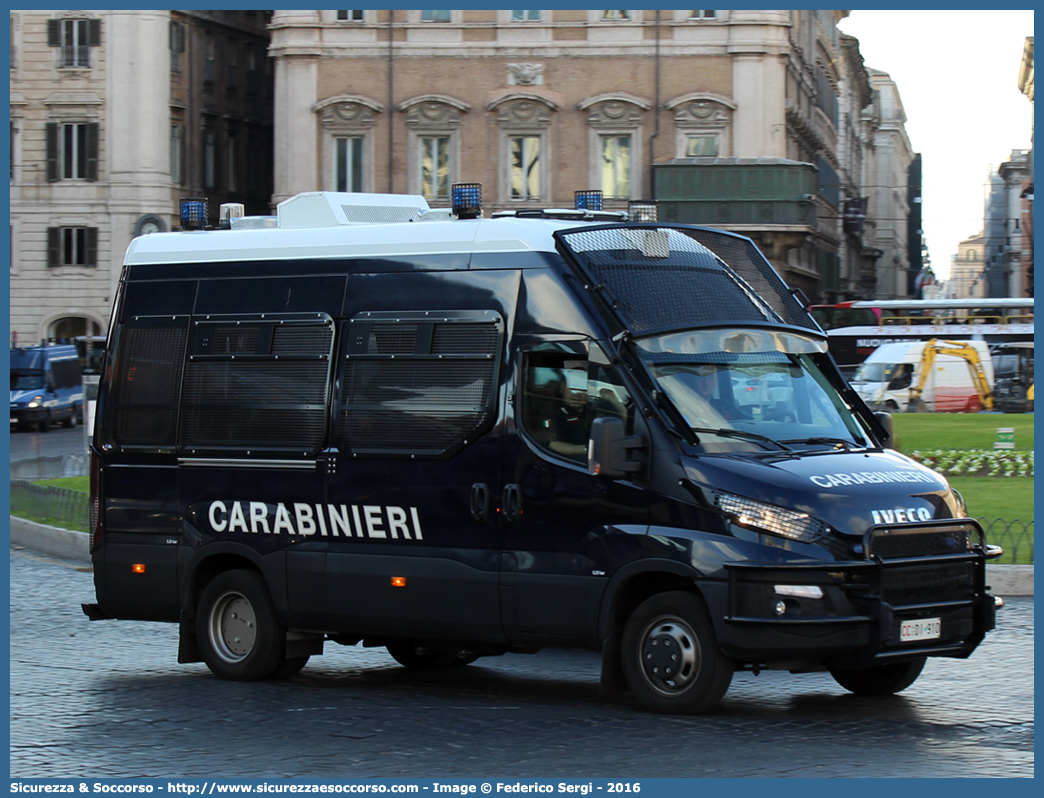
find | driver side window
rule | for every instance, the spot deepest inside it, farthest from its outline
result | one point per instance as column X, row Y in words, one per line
column 902, row 378
column 562, row 394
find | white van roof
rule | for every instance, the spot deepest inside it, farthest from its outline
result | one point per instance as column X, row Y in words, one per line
column 338, row 225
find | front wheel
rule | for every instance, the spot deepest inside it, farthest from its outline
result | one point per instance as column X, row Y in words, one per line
column 881, row 679
column 238, row 632
column 670, row 656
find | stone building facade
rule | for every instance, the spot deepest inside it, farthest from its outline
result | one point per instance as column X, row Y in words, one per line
column 110, row 117
column 1006, row 258
column 535, row 105
column 886, row 182
column 967, row 269
column 1026, row 87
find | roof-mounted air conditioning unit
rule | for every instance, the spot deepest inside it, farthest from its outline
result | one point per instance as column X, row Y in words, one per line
column 334, row 208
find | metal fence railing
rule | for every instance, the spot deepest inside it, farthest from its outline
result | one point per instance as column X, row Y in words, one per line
column 61, row 507
column 1016, row 538
column 65, row 465
column 48, row 504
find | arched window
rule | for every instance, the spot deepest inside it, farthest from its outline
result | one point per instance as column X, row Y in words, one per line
column 347, row 123
column 524, row 122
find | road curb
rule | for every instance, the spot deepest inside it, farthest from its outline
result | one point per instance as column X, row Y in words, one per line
column 67, row 543
column 1010, row 580
column 1005, row 580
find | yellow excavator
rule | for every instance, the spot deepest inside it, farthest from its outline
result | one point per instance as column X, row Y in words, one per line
column 938, row 346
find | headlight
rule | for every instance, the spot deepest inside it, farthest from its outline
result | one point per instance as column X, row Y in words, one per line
column 36, row 401
column 770, row 518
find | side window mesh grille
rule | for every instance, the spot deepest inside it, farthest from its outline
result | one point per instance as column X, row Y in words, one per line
column 146, row 384
column 235, row 340
column 456, row 339
column 268, row 394
column 428, row 394
column 392, row 339
column 294, row 339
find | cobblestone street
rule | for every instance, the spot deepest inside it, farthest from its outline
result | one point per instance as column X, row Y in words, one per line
column 107, row 699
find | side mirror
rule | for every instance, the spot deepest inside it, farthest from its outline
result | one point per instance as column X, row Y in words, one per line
column 608, row 447
column 885, row 420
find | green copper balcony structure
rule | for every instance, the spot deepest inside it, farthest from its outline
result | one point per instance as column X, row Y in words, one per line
column 731, row 192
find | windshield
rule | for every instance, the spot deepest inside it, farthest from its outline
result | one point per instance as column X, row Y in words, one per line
column 874, row 372
column 1005, row 365
column 751, row 389
column 27, row 380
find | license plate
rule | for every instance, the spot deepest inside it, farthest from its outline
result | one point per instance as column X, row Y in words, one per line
column 923, row 629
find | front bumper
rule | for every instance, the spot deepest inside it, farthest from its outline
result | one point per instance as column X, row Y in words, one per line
column 857, row 621
column 27, row 415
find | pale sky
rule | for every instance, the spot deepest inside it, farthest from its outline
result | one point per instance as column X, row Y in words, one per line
column 957, row 73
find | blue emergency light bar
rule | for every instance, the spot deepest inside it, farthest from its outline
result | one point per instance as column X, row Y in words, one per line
column 193, row 213
column 587, row 200
column 467, row 200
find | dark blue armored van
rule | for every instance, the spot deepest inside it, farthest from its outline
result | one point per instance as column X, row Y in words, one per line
column 459, row 437
column 46, row 386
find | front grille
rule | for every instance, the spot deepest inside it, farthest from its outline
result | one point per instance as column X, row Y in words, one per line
column 890, row 543
column 929, row 583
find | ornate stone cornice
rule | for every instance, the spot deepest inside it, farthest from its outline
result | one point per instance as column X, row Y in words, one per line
column 518, row 96
column 358, row 99
column 434, row 110
column 697, row 96
column 614, row 96
column 445, row 99
column 347, row 110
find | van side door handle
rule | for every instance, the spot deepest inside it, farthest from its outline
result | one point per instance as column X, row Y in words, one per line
column 479, row 502
column 512, row 502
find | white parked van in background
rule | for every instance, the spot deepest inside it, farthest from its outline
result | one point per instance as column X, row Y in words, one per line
column 885, row 378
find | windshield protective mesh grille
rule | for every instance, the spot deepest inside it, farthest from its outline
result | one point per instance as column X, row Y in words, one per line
column 747, row 261
column 662, row 278
column 658, row 279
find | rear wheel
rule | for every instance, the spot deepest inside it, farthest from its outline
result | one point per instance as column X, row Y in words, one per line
column 670, row 656
column 238, row 632
column 879, row 680
column 417, row 657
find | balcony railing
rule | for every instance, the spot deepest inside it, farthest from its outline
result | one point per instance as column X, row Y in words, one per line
column 74, row 55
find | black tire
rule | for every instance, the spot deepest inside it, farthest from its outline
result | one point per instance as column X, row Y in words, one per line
column 44, row 424
column 421, row 658
column 72, row 420
column 879, row 680
column 670, row 656
column 237, row 629
column 290, row 667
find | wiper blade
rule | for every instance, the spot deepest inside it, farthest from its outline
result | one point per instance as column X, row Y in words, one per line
column 839, row 443
column 748, row 436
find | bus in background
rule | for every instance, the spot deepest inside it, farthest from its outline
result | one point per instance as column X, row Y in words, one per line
column 855, row 329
